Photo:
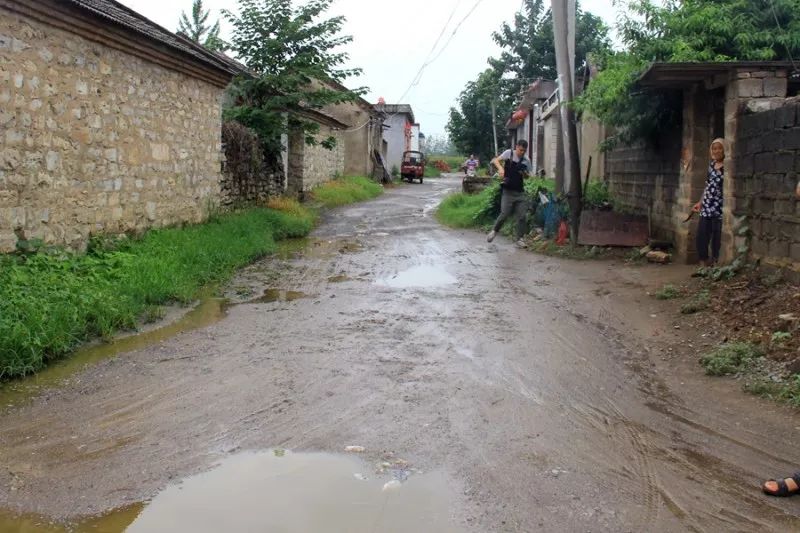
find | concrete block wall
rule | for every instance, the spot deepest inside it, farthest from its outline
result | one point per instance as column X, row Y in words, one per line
column 768, row 170
column 645, row 180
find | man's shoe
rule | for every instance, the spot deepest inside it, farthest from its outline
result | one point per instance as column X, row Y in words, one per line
column 521, row 244
column 490, row 236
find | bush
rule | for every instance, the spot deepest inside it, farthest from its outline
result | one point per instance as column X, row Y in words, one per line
column 731, row 358
column 700, row 302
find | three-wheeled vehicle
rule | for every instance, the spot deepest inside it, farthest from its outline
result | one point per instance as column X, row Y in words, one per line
column 413, row 166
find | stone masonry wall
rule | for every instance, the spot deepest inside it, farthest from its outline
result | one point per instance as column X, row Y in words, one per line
column 645, row 180
column 94, row 140
column 768, row 166
column 321, row 165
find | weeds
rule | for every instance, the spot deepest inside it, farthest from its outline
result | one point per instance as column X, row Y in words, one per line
column 731, row 358
column 786, row 391
column 52, row 302
column 699, row 302
column 345, row 191
column 668, row 292
column 463, row 210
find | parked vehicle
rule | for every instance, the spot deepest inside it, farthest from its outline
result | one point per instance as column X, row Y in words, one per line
column 413, row 166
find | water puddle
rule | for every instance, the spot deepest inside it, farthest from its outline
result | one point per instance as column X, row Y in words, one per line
column 339, row 279
column 419, row 276
column 281, row 491
column 278, row 295
column 208, row 312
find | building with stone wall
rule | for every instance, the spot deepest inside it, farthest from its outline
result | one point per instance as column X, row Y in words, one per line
column 109, row 123
column 310, row 165
column 397, row 133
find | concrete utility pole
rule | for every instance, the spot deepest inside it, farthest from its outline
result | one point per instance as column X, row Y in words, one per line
column 494, row 126
column 564, row 12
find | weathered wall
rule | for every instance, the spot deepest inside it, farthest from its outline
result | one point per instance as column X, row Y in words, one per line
column 95, row 140
column 309, row 165
column 395, row 139
column 247, row 177
column 645, row 180
column 768, row 166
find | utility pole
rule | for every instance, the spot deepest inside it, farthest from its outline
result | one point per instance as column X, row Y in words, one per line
column 494, row 126
column 564, row 37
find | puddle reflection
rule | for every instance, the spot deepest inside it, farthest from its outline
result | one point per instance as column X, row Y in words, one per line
column 420, row 276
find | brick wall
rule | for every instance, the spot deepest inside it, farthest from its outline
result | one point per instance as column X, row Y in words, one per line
column 768, row 166
column 645, row 180
column 96, row 140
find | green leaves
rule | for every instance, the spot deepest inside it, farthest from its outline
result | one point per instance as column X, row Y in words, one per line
column 195, row 28
column 292, row 51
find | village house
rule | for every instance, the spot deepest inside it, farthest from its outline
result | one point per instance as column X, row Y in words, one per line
column 749, row 104
column 109, row 122
column 401, row 133
column 357, row 127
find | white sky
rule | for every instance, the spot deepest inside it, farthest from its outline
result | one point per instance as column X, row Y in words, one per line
column 392, row 39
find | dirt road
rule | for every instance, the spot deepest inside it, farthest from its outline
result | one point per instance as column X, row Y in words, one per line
column 536, row 390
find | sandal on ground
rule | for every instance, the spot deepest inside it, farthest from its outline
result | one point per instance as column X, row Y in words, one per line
column 783, row 489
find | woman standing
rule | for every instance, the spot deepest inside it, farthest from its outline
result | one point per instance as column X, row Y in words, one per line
column 709, row 231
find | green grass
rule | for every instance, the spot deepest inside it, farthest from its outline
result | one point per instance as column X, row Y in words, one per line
column 668, row 292
column 343, row 191
column 787, row 391
column 731, row 358
column 464, row 210
column 52, row 302
column 699, row 302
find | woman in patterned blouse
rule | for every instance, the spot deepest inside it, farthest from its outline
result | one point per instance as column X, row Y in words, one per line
column 709, row 231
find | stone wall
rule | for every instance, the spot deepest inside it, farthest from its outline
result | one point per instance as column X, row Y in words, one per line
column 95, row 140
column 768, row 166
column 645, row 180
column 313, row 165
column 247, row 177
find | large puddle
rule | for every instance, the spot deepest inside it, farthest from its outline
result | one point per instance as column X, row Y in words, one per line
column 280, row 491
column 419, row 276
column 208, row 312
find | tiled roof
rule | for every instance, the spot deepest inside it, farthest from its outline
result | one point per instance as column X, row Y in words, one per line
column 116, row 13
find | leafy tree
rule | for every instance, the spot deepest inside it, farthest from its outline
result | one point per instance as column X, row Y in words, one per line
column 439, row 145
column 470, row 124
column 528, row 53
column 677, row 31
column 197, row 30
column 528, row 49
column 294, row 56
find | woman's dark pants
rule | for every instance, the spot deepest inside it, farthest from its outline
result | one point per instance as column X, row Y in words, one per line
column 709, row 231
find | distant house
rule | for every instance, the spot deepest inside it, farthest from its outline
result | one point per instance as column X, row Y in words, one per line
column 401, row 132
column 110, row 122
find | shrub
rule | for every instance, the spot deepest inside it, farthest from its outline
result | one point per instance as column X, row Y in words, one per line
column 731, row 358
column 668, row 292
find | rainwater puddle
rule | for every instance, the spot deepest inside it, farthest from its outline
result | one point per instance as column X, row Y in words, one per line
column 281, row 491
column 208, row 312
column 419, row 276
column 339, row 279
column 278, row 295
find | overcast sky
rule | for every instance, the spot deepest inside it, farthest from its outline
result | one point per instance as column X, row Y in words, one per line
column 392, row 39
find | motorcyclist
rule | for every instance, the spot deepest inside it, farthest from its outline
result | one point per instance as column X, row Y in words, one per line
column 470, row 165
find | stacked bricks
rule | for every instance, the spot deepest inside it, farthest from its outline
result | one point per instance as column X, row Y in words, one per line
column 768, row 166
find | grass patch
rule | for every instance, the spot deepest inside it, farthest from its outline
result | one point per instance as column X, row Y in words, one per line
column 52, row 302
column 731, row 358
column 668, row 292
column 465, row 210
column 699, row 302
column 785, row 391
column 343, row 191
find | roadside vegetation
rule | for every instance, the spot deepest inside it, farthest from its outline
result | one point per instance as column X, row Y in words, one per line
column 51, row 300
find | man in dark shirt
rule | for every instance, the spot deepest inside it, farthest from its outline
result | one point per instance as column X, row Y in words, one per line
column 513, row 167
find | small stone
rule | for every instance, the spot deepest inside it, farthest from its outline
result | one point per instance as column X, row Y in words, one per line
column 354, row 449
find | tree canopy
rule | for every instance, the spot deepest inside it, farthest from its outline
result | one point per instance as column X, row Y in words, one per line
column 294, row 53
column 196, row 29
column 679, row 31
column 528, row 53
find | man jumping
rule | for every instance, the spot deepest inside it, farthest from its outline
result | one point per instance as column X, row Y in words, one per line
column 514, row 169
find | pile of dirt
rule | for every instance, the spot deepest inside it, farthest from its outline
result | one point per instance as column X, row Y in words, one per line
column 757, row 307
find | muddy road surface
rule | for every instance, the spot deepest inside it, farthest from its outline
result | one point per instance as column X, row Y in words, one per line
column 484, row 388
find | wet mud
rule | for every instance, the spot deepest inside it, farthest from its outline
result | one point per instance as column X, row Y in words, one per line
column 539, row 391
